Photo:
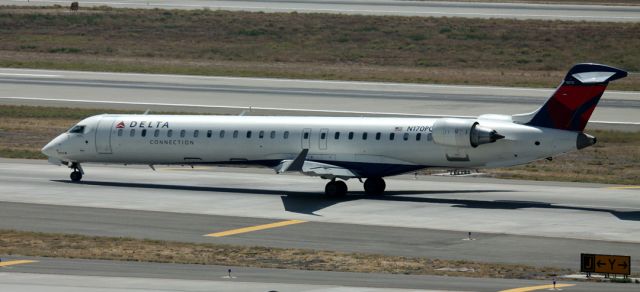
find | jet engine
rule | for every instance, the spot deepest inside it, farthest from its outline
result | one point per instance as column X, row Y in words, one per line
column 462, row 133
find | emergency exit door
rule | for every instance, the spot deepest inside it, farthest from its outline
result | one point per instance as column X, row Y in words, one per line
column 306, row 138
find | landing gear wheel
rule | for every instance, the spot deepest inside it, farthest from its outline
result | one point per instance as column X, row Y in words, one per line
column 76, row 176
column 335, row 188
column 374, row 186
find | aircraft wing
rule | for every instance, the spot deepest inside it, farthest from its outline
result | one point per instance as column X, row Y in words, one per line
column 313, row 168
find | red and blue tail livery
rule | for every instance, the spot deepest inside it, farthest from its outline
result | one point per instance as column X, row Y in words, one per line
column 570, row 107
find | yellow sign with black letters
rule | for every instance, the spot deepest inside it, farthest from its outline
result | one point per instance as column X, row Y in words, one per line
column 605, row 264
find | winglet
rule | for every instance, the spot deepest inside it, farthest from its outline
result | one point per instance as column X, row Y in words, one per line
column 296, row 164
column 293, row 165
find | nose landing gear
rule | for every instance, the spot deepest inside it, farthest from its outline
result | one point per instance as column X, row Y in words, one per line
column 77, row 173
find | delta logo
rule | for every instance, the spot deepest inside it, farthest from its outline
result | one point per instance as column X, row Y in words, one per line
column 143, row 124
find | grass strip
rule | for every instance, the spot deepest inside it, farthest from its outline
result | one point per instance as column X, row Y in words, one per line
column 615, row 159
column 142, row 250
column 501, row 52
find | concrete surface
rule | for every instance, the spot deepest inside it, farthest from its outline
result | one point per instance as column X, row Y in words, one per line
column 384, row 7
column 230, row 95
column 536, row 223
column 103, row 276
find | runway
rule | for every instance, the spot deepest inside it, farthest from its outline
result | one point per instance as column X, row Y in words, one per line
column 385, row 7
column 92, row 275
column 233, row 95
column 534, row 223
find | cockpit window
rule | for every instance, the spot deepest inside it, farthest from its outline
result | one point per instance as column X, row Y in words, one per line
column 78, row 129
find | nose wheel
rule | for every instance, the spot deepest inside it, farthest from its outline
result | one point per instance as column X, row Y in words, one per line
column 76, row 174
column 335, row 188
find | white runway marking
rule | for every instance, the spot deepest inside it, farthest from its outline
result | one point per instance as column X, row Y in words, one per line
column 28, row 75
column 352, row 8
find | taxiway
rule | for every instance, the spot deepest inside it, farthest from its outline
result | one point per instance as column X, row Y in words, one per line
column 260, row 96
column 535, row 223
column 385, row 7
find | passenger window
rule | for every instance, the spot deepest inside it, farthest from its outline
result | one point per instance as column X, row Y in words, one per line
column 378, row 135
column 286, row 134
column 406, row 136
column 429, row 137
column 323, row 136
column 169, row 133
column 392, row 136
column 336, row 135
column 248, row 134
column 418, row 136
column 364, row 136
column 156, row 133
column 273, row 134
column 350, row 135
column 196, row 133
column 119, row 132
column 132, row 133
column 183, row 133
column 306, row 135
column 261, row 134
column 221, row 133
column 209, row 133
column 235, row 134
column 144, row 133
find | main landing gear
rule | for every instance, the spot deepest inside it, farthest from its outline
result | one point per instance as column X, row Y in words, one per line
column 335, row 188
column 374, row 186
column 76, row 175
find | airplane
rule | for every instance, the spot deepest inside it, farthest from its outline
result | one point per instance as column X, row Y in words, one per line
column 342, row 148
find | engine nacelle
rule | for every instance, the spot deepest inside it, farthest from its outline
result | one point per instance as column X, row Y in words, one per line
column 462, row 133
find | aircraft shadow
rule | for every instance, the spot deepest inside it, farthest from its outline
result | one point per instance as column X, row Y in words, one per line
column 311, row 202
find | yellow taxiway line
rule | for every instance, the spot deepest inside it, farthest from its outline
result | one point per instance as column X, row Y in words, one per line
column 540, row 287
column 16, row 262
column 255, row 228
column 624, row 187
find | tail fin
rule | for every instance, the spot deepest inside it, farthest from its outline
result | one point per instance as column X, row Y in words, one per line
column 570, row 107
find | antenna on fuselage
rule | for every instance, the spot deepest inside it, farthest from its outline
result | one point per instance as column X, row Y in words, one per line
column 245, row 112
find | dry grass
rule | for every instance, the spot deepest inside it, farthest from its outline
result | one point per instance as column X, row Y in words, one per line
column 323, row 46
column 128, row 249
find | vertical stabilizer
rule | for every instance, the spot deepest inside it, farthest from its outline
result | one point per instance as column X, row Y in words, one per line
column 571, row 105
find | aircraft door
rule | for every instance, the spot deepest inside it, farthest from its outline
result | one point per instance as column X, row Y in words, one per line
column 103, row 135
column 306, row 138
column 324, row 136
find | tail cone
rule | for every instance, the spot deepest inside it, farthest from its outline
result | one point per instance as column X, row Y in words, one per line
column 585, row 140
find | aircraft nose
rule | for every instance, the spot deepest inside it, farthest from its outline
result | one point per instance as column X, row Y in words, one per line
column 51, row 149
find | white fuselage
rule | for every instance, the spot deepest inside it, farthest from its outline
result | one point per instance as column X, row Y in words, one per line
column 371, row 146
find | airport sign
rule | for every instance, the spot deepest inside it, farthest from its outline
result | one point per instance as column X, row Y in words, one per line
column 605, row 264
